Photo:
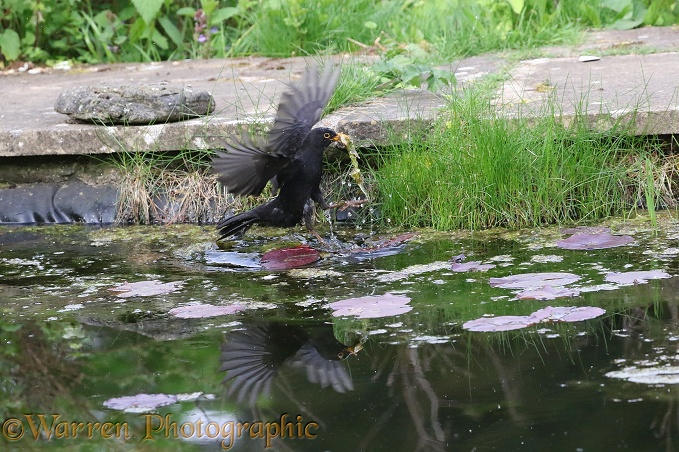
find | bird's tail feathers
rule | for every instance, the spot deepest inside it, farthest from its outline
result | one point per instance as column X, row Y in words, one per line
column 237, row 224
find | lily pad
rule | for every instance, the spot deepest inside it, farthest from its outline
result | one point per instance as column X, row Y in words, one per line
column 140, row 403
column 637, row 277
column 416, row 269
column 534, row 280
column 548, row 314
column 499, row 323
column 232, row 259
column 668, row 375
column 146, row 288
column 473, row 266
column 371, row 307
column 566, row 314
column 598, row 241
column 201, row 311
column 287, row 258
column 547, row 293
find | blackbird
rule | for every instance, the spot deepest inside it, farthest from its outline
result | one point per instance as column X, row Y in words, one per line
column 291, row 157
column 253, row 356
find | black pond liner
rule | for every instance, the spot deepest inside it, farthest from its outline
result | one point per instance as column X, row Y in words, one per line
column 72, row 202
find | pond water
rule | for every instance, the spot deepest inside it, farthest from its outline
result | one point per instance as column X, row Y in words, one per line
column 300, row 376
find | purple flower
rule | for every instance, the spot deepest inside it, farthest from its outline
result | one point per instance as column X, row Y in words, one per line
column 202, row 38
column 214, row 30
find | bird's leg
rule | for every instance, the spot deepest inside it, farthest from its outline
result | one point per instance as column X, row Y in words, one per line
column 318, row 237
column 309, row 219
column 318, row 197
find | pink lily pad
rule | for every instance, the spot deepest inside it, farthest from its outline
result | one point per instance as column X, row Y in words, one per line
column 638, row 277
column 598, row 241
column 146, row 288
column 547, row 293
column 548, row 314
column 371, row 307
column 201, row 311
column 473, row 266
column 287, row 258
column 534, row 280
column 500, row 323
column 140, row 403
column 566, row 314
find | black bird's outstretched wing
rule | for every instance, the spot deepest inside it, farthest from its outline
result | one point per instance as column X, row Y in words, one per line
column 244, row 169
column 300, row 108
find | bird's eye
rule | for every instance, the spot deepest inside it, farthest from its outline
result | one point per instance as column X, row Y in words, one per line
column 340, row 355
column 326, row 135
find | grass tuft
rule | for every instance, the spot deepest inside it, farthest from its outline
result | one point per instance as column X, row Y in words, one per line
column 475, row 170
column 169, row 188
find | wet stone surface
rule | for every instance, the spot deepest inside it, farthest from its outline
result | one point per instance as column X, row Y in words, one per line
column 139, row 324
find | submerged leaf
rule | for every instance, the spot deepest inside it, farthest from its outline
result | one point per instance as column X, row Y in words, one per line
column 548, row 314
column 200, row 311
column 146, row 288
column 668, row 375
column 473, row 266
column 140, row 403
column 547, row 293
column 534, row 280
column 500, row 323
column 566, row 314
column 232, row 259
column 287, row 258
column 372, row 306
column 638, row 277
column 390, row 243
column 586, row 241
column 416, row 269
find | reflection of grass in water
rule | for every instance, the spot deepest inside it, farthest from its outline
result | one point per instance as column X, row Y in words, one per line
column 39, row 365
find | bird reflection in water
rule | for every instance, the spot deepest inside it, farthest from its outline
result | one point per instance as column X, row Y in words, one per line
column 253, row 356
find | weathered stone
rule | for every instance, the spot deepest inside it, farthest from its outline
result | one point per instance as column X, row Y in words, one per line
column 134, row 104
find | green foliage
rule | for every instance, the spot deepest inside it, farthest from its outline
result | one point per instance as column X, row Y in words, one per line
column 143, row 30
column 476, row 170
column 10, row 45
column 408, row 66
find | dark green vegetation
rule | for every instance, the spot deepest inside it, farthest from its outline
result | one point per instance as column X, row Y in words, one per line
column 145, row 30
column 474, row 169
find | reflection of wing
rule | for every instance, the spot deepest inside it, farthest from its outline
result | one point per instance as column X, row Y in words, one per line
column 244, row 169
column 322, row 371
column 253, row 356
column 249, row 364
column 300, row 108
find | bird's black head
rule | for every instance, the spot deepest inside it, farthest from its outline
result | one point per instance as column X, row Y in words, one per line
column 324, row 137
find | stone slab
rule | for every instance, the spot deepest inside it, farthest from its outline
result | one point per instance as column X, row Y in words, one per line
column 639, row 90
